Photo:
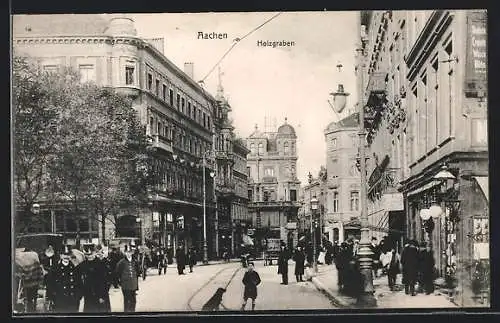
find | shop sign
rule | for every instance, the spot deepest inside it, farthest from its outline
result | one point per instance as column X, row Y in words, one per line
column 291, row 225
column 393, row 202
column 477, row 50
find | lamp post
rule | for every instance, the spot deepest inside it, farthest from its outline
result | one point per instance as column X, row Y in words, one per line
column 205, row 246
column 366, row 297
column 314, row 207
column 139, row 222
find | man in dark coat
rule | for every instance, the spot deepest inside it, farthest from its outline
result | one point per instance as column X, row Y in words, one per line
column 110, row 273
column 341, row 263
column 427, row 267
column 94, row 275
column 299, row 257
column 251, row 280
column 114, row 257
column 64, row 285
column 191, row 258
column 409, row 262
column 128, row 271
column 283, row 257
column 393, row 268
column 180, row 257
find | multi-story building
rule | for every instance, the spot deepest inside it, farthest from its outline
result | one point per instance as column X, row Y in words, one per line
column 425, row 79
column 273, row 184
column 178, row 113
column 231, row 180
column 315, row 188
column 342, row 205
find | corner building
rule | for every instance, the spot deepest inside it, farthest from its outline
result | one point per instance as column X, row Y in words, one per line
column 425, row 83
column 273, row 184
column 178, row 113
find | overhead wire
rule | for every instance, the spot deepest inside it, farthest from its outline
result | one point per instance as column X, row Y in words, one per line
column 236, row 41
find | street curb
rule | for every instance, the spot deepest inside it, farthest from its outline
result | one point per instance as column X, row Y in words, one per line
column 336, row 300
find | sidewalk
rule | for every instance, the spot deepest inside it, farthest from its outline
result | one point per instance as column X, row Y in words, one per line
column 326, row 281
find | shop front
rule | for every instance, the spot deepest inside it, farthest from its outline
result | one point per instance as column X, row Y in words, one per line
column 448, row 209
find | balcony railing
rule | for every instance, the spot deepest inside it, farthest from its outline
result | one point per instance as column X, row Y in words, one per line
column 163, row 143
column 257, row 204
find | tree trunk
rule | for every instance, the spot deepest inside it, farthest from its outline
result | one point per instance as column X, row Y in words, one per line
column 103, row 228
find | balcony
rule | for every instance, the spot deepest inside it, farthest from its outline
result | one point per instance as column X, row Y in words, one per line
column 376, row 103
column 269, row 180
column 163, row 143
column 274, row 204
column 128, row 90
column 226, row 187
column 223, row 155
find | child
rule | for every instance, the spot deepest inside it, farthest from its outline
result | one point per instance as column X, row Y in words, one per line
column 251, row 280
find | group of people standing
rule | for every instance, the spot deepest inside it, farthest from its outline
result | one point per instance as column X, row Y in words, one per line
column 68, row 281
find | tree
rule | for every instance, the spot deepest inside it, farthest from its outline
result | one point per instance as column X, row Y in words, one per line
column 36, row 103
column 78, row 144
column 104, row 162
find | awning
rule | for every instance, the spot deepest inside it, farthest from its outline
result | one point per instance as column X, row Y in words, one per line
column 424, row 188
column 483, row 183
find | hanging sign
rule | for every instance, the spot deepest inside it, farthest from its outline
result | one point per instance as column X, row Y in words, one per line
column 477, row 50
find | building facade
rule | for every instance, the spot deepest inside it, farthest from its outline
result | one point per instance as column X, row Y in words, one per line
column 273, row 184
column 179, row 116
column 425, row 87
column 342, row 204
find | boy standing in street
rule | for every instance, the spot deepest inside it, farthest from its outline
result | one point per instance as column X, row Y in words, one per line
column 251, row 280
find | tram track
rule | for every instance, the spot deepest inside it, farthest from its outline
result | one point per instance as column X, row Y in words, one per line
column 190, row 306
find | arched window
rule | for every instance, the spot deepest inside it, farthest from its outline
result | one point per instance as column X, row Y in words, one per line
column 252, row 148
column 261, row 148
column 286, row 148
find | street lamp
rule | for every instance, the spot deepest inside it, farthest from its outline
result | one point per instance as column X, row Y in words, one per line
column 314, row 207
column 138, row 221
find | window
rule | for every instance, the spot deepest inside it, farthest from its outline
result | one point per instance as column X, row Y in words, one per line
column 87, row 73
column 204, row 120
column 189, row 109
column 334, row 143
column 267, row 196
column 160, row 128
column 164, row 92
column 194, row 112
column 354, row 201
column 157, row 87
column 261, row 149
column 335, row 201
column 249, row 173
column 171, row 97
column 183, row 102
column 208, row 122
column 151, row 124
column 286, row 149
column 434, row 127
column 252, row 148
column 178, row 101
column 150, row 81
column 129, row 75
column 293, row 195
column 250, row 195
column 50, row 68
column 422, row 135
column 269, row 171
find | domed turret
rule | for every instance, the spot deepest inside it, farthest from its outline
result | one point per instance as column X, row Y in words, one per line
column 286, row 130
column 121, row 26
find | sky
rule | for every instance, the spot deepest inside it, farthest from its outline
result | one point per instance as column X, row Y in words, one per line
column 264, row 82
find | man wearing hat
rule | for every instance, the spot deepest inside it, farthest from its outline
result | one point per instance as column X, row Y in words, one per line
column 94, row 274
column 128, row 271
column 101, row 257
column 64, row 285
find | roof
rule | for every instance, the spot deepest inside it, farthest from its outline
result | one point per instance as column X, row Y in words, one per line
column 350, row 121
column 286, row 130
column 257, row 133
column 57, row 24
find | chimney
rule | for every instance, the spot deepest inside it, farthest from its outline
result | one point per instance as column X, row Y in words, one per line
column 189, row 69
column 157, row 43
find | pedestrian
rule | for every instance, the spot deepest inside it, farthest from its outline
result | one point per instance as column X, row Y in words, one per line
column 427, row 266
column 94, row 275
column 251, row 280
column 29, row 271
column 114, row 257
column 106, row 264
column 180, row 257
column 283, row 264
column 341, row 263
column 375, row 249
column 128, row 271
column 64, row 285
column 393, row 264
column 299, row 257
column 409, row 262
column 191, row 258
column 162, row 261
